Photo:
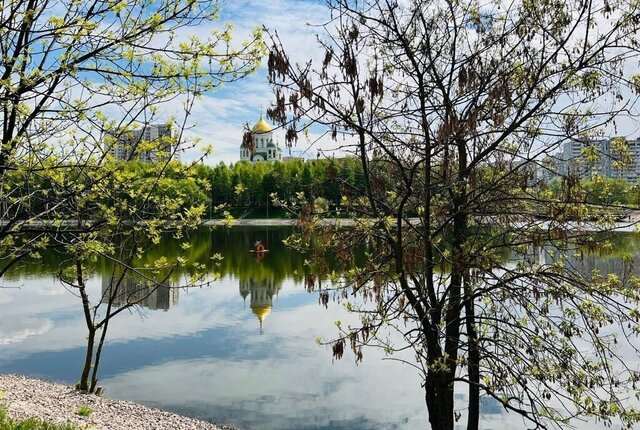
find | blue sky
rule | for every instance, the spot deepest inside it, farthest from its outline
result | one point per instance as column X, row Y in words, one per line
column 220, row 116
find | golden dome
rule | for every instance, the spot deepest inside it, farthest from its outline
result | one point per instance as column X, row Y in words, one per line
column 261, row 126
column 261, row 311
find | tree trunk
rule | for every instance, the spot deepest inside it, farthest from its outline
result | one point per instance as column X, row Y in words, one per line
column 439, row 398
column 84, row 379
column 94, row 374
column 91, row 328
column 474, row 358
column 103, row 335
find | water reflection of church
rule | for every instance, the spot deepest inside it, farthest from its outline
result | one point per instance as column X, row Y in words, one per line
column 261, row 294
column 149, row 294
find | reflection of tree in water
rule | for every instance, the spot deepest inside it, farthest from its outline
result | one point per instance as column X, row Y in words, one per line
column 232, row 244
column 261, row 292
column 144, row 292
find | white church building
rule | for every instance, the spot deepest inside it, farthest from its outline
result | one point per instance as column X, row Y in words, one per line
column 265, row 148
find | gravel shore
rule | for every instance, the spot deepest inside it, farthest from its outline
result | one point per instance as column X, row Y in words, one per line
column 26, row 397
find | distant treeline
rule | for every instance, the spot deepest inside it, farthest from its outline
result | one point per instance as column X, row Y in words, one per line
column 598, row 190
column 250, row 184
column 144, row 190
column 126, row 190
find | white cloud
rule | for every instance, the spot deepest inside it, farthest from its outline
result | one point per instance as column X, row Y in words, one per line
column 220, row 116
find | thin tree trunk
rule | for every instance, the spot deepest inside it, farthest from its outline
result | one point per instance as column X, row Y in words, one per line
column 447, row 374
column 94, row 374
column 84, row 379
column 474, row 358
column 103, row 335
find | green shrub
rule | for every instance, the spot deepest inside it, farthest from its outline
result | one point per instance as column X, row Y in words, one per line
column 84, row 410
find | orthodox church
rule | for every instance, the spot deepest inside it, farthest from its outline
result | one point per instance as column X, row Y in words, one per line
column 265, row 148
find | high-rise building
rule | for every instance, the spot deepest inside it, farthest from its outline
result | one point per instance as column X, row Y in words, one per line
column 129, row 145
column 264, row 149
column 609, row 158
column 123, row 291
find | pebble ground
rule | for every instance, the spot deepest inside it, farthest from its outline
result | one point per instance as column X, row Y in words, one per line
column 27, row 397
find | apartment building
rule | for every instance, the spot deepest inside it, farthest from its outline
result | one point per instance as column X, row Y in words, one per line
column 610, row 158
column 127, row 145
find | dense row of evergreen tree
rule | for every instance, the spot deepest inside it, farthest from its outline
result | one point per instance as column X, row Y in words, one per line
column 250, row 184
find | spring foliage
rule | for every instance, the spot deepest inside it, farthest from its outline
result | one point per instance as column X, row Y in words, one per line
column 452, row 105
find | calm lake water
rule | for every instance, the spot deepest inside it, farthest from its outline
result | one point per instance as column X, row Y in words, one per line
column 241, row 352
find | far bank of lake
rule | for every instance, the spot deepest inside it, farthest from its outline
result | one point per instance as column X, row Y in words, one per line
column 631, row 224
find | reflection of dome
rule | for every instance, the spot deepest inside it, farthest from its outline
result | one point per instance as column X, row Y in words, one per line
column 261, row 312
column 261, row 126
column 262, row 292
